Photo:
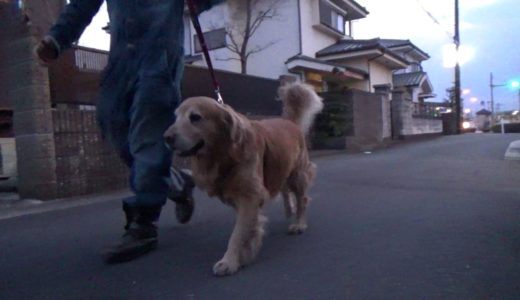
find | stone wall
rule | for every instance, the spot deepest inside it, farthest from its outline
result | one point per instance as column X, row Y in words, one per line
column 425, row 126
column 371, row 119
column 405, row 124
column 353, row 120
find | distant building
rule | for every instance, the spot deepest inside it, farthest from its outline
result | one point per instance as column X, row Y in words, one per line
column 483, row 120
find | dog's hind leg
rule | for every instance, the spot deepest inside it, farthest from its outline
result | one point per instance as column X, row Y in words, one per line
column 288, row 203
column 299, row 183
column 299, row 225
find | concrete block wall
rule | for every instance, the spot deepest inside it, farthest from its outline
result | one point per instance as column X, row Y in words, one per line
column 425, row 126
column 405, row 124
column 85, row 164
column 58, row 148
column 370, row 117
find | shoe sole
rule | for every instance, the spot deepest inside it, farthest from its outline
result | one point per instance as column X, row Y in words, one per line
column 121, row 257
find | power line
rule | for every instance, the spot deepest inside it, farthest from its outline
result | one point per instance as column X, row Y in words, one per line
column 449, row 34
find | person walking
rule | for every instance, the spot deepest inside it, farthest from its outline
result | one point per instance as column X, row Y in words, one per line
column 140, row 90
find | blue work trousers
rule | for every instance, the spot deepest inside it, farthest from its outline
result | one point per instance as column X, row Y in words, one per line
column 135, row 120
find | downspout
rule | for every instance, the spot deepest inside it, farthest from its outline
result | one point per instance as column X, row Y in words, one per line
column 300, row 27
column 383, row 52
column 301, row 73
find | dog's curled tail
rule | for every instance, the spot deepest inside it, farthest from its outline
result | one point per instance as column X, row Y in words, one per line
column 301, row 104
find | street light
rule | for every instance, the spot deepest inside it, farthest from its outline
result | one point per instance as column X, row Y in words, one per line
column 515, row 84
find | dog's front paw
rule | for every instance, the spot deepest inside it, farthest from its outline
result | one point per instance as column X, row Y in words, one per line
column 225, row 267
column 297, row 228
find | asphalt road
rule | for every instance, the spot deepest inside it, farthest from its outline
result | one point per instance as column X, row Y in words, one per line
column 432, row 220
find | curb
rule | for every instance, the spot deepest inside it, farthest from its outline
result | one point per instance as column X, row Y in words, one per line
column 513, row 151
column 32, row 206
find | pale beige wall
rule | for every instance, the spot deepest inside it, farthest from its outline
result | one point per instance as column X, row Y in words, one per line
column 313, row 40
column 282, row 33
column 379, row 74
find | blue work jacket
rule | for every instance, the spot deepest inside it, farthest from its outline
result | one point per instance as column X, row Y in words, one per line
column 147, row 36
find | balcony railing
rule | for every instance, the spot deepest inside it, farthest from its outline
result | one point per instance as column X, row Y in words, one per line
column 429, row 109
column 90, row 60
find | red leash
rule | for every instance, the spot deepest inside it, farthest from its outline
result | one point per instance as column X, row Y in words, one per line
column 202, row 41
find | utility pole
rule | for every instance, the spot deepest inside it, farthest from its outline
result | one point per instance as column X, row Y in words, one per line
column 456, row 39
column 491, row 86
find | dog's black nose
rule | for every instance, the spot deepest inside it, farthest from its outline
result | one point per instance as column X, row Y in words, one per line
column 169, row 140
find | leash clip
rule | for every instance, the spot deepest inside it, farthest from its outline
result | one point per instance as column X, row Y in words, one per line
column 219, row 96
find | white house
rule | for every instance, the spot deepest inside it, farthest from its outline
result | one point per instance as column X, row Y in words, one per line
column 313, row 39
column 301, row 28
column 414, row 79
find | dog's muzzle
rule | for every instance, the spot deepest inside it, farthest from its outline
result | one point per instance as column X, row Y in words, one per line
column 193, row 150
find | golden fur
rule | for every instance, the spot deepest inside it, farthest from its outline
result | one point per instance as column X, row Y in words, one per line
column 246, row 163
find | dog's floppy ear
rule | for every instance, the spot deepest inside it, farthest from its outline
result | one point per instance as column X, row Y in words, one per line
column 238, row 133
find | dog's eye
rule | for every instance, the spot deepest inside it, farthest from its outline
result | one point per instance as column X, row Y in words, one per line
column 195, row 118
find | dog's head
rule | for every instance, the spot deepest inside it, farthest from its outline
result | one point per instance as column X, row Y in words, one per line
column 205, row 127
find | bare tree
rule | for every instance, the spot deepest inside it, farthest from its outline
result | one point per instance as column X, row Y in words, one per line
column 246, row 17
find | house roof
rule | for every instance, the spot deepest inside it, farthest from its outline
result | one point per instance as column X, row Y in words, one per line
column 344, row 46
column 395, row 44
column 320, row 61
column 408, row 79
column 359, row 46
column 349, row 46
column 484, row 112
column 414, row 80
column 354, row 9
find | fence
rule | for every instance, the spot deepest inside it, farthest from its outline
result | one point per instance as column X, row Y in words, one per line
column 84, row 162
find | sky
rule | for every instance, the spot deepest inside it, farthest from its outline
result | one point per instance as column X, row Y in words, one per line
column 488, row 28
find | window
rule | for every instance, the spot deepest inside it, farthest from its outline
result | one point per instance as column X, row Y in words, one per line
column 331, row 18
column 340, row 21
column 215, row 39
column 415, row 67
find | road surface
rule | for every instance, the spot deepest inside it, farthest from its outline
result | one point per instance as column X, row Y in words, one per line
column 429, row 220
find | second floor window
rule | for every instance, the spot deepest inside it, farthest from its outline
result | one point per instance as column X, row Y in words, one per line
column 215, row 39
column 415, row 67
column 331, row 18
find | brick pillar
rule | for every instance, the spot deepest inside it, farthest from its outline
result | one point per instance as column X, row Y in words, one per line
column 29, row 94
column 385, row 91
column 401, row 114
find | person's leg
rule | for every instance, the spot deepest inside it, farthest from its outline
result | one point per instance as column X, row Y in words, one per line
column 154, row 177
column 149, row 115
column 114, row 121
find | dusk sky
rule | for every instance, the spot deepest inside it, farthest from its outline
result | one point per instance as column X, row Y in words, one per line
column 489, row 29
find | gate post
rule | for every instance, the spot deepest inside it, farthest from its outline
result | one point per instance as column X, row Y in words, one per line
column 28, row 91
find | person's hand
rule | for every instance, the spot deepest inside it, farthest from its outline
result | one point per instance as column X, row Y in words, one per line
column 46, row 51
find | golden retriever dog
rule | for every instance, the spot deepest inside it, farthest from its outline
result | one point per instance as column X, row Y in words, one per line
column 247, row 163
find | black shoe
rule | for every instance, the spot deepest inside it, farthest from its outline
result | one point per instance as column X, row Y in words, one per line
column 183, row 197
column 140, row 236
column 138, row 240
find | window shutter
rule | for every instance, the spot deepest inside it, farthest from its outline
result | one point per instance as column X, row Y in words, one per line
column 326, row 14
